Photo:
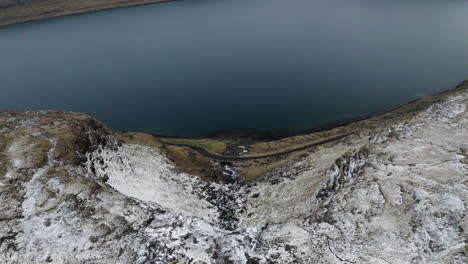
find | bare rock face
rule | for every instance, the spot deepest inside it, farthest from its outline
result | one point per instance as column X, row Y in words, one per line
column 70, row 192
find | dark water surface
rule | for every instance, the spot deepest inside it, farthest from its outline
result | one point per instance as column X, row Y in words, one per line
column 195, row 66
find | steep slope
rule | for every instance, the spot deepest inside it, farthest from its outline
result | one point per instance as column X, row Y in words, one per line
column 71, row 192
column 398, row 196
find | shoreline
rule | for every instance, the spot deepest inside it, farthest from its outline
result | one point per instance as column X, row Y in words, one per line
column 43, row 10
column 265, row 135
column 255, row 160
column 207, row 159
column 226, row 158
column 63, row 171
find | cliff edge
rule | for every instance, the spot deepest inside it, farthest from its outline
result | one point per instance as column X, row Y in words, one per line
column 72, row 192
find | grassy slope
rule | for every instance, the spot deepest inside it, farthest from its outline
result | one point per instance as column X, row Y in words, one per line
column 214, row 146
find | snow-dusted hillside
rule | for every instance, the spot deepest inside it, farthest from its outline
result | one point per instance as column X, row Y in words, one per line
column 399, row 196
column 71, row 193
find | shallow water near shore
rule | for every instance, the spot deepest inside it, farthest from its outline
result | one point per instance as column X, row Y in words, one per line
column 189, row 68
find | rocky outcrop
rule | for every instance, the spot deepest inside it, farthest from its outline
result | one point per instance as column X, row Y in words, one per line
column 71, row 192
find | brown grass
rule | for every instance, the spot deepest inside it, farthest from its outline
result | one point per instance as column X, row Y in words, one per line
column 57, row 8
column 139, row 138
column 5, row 141
column 38, row 149
column 363, row 126
column 190, row 161
column 253, row 169
column 210, row 145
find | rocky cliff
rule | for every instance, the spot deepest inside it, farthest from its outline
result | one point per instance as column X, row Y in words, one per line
column 71, row 192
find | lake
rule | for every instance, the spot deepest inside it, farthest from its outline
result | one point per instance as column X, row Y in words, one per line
column 189, row 68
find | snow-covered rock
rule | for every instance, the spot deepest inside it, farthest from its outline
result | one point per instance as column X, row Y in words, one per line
column 71, row 193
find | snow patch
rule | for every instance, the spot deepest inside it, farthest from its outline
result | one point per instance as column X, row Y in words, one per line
column 144, row 173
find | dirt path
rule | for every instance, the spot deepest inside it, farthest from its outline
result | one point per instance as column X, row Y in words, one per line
column 212, row 156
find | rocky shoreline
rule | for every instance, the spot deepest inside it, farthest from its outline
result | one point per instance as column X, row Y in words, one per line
column 72, row 191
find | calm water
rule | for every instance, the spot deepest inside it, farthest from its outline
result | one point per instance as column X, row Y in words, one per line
column 195, row 66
